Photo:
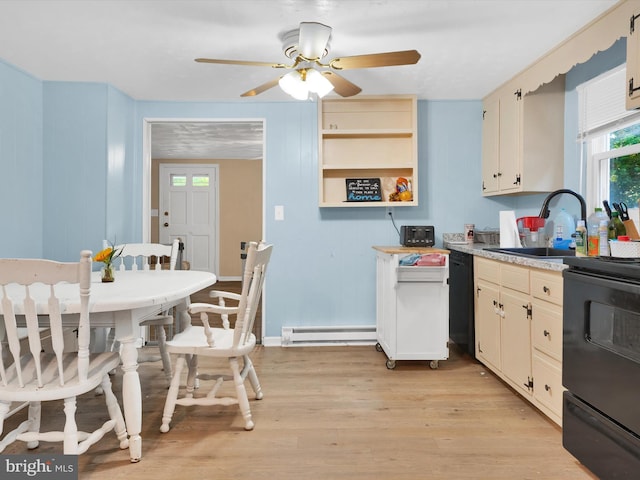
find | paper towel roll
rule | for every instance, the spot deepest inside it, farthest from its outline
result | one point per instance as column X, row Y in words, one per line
column 509, row 236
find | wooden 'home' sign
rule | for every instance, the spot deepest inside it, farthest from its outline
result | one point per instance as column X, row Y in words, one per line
column 363, row 190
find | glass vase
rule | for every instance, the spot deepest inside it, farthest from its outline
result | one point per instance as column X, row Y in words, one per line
column 107, row 273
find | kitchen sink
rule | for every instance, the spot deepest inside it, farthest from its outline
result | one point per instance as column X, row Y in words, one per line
column 543, row 253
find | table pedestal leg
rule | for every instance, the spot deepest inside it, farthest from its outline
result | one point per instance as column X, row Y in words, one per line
column 132, row 397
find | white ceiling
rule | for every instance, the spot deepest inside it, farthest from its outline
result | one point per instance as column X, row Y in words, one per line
column 145, row 48
column 239, row 140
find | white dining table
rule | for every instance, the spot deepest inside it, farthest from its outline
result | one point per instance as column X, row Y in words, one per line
column 133, row 296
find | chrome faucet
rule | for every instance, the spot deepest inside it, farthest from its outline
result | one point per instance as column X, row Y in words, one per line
column 544, row 212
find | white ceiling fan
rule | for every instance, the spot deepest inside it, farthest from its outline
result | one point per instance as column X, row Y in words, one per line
column 307, row 46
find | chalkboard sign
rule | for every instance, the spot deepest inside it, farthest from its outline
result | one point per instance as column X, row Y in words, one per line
column 364, row 190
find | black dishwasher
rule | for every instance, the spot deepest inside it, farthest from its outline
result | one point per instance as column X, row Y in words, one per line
column 461, row 316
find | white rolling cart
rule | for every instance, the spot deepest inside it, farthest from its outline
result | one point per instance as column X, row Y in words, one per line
column 412, row 306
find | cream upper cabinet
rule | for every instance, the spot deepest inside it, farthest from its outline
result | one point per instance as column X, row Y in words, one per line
column 633, row 62
column 490, row 145
column 523, row 140
column 367, row 142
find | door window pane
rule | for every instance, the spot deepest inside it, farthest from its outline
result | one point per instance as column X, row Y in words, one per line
column 178, row 180
column 200, row 181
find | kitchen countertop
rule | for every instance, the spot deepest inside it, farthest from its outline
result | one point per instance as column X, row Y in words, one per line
column 479, row 250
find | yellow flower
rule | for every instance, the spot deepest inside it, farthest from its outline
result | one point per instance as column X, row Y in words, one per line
column 103, row 255
column 107, row 255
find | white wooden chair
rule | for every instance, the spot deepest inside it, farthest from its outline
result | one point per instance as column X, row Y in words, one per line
column 148, row 256
column 221, row 342
column 33, row 376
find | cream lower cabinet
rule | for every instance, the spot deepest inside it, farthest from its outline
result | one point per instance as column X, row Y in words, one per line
column 518, row 315
column 546, row 335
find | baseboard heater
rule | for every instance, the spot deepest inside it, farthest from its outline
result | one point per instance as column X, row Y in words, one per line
column 338, row 335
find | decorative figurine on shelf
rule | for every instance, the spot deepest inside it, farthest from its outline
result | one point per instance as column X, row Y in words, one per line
column 403, row 191
column 106, row 256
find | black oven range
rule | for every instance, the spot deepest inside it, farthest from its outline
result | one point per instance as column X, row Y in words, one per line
column 601, row 364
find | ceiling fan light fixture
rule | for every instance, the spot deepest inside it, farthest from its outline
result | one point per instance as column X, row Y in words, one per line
column 318, row 83
column 293, row 84
column 308, row 44
column 299, row 83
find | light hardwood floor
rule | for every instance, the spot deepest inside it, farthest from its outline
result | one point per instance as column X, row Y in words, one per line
column 337, row 413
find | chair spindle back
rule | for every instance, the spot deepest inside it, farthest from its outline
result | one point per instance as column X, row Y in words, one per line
column 25, row 282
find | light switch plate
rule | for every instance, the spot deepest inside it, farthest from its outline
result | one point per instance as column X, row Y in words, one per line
column 279, row 212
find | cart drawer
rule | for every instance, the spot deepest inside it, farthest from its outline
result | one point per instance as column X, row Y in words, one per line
column 421, row 274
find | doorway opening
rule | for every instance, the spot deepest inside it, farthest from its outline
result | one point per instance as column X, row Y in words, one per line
column 237, row 148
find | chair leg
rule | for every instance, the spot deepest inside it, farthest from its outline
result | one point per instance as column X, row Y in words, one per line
column 164, row 355
column 35, row 414
column 253, row 377
column 192, row 376
column 4, row 409
column 115, row 413
column 112, row 344
column 241, row 393
column 172, row 395
column 70, row 444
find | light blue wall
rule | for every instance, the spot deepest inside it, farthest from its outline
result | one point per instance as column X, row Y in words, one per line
column 120, row 226
column 75, row 168
column 88, row 167
column 82, row 143
column 323, row 268
column 21, row 197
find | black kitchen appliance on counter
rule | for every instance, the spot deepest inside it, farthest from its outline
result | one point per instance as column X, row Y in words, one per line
column 601, row 364
column 417, row 236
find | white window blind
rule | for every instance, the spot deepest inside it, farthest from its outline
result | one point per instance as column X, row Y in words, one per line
column 602, row 102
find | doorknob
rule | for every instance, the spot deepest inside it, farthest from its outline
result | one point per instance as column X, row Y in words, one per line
column 166, row 224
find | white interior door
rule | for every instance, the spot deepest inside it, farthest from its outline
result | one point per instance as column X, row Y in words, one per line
column 188, row 210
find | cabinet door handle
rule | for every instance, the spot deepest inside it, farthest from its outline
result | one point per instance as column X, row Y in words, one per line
column 547, row 387
column 546, row 289
column 546, row 333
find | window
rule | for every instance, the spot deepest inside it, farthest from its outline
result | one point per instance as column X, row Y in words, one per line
column 196, row 180
column 200, row 180
column 611, row 137
column 178, row 180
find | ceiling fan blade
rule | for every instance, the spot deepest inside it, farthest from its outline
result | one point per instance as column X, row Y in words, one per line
column 313, row 39
column 261, row 88
column 389, row 59
column 341, row 85
column 241, row 62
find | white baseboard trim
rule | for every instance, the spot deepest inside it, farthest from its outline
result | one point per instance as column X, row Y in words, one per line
column 272, row 341
column 227, row 279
